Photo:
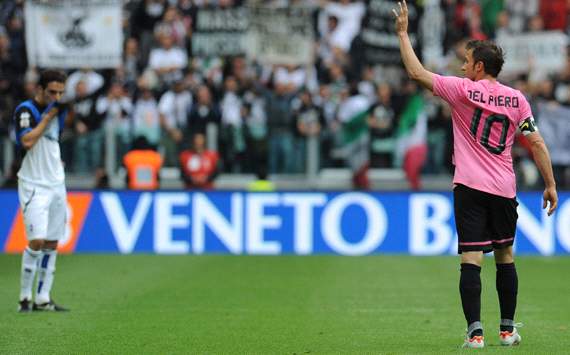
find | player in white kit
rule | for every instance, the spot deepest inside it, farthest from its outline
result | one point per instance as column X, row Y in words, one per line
column 41, row 188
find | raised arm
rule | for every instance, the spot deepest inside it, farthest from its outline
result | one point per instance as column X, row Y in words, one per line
column 414, row 67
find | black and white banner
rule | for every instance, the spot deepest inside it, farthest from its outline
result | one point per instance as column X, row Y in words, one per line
column 281, row 35
column 378, row 33
column 432, row 30
column 74, row 33
column 220, row 31
column 545, row 51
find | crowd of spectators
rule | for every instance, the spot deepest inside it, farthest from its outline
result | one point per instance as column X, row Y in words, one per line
column 264, row 114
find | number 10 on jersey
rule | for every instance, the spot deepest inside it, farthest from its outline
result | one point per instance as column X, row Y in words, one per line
column 500, row 120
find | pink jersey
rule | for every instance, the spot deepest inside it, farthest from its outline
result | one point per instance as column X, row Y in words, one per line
column 485, row 118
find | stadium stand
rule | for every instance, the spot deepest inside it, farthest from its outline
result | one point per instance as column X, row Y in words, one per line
column 293, row 119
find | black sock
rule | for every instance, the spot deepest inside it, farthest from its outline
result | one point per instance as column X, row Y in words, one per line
column 507, row 289
column 476, row 332
column 470, row 289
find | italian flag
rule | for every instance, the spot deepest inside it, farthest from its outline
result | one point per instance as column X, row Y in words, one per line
column 353, row 114
column 411, row 139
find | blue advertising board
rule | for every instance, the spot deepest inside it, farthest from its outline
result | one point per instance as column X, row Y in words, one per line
column 302, row 223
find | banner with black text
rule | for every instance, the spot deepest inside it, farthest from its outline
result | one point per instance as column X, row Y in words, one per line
column 281, row 35
column 378, row 35
column 220, row 31
column 543, row 51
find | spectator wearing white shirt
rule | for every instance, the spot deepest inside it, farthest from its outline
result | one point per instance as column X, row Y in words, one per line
column 291, row 77
column 255, row 130
column 93, row 82
column 349, row 15
column 146, row 121
column 117, row 107
column 173, row 26
column 174, row 107
column 88, row 148
column 168, row 61
column 333, row 44
column 231, row 130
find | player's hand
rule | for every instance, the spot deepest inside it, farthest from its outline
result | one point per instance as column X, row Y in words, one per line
column 52, row 112
column 62, row 106
column 402, row 17
column 550, row 198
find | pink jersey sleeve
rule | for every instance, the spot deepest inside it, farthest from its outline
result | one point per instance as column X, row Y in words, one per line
column 525, row 111
column 449, row 88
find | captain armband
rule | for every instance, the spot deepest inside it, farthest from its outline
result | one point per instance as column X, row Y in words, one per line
column 528, row 126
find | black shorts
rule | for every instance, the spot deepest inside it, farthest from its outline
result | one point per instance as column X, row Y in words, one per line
column 484, row 221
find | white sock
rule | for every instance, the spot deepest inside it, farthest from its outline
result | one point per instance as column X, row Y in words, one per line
column 46, row 275
column 30, row 260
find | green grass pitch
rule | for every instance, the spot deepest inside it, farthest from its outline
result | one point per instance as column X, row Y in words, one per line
column 147, row 304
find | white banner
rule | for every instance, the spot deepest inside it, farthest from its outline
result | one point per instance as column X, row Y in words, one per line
column 74, row 33
column 545, row 51
column 281, row 35
column 220, row 31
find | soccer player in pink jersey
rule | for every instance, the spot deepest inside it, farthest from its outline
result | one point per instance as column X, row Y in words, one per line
column 485, row 115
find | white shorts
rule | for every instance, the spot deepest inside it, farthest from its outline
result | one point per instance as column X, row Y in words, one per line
column 44, row 209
